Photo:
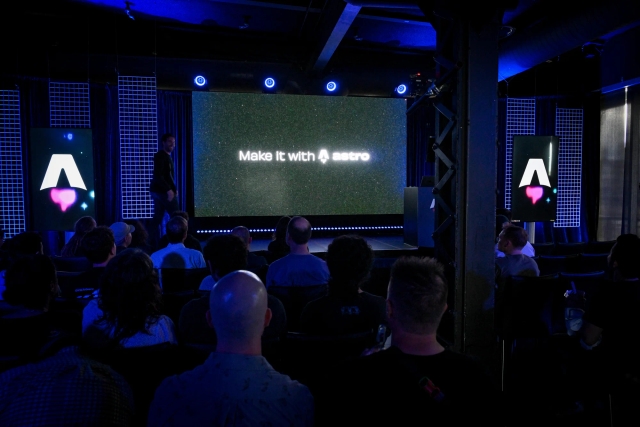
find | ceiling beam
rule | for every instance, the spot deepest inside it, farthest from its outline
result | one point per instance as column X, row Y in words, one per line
column 334, row 26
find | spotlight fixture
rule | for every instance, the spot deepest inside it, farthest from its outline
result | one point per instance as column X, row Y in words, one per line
column 269, row 82
column 200, row 81
column 331, row 86
column 401, row 89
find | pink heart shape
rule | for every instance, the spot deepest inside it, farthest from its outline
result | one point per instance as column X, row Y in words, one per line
column 64, row 197
column 534, row 193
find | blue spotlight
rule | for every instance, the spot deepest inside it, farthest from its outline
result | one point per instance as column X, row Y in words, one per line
column 401, row 89
column 200, row 81
column 269, row 83
column 331, row 86
column 69, row 136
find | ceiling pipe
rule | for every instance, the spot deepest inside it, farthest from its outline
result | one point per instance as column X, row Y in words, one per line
column 532, row 46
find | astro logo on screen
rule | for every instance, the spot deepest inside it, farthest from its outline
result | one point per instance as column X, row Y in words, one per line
column 533, row 192
column 63, row 197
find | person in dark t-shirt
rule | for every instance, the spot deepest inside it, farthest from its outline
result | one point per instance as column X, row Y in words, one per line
column 416, row 381
column 163, row 187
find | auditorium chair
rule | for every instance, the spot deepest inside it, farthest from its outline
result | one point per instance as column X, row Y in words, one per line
column 181, row 279
column 593, row 262
column 547, row 248
column 295, row 298
column 71, row 263
column 553, row 264
column 599, row 247
column 303, row 353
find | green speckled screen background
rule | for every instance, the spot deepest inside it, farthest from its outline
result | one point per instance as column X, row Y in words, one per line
column 233, row 132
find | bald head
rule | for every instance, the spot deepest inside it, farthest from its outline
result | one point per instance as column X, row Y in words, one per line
column 299, row 230
column 238, row 308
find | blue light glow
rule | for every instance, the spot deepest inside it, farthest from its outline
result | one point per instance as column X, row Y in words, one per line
column 92, row 194
column 69, row 136
column 401, row 89
column 555, row 190
column 84, row 206
column 269, row 82
column 331, row 86
column 200, row 81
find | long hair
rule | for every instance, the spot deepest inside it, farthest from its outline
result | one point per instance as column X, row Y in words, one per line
column 130, row 297
column 81, row 228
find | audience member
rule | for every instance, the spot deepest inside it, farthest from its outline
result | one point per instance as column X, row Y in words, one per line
column 346, row 309
column 235, row 385
column 140, row 236
column 127, row 311
column 25, row 243
column 610, row 324
column 300, row 267
column 190, row 242
column 502, row 222
column 255, row 263
column 416, row 379
column 224, row 253
column 278, row 246
column 67, row 389
column 73, row 247
column 122, row 233
column 176, row 255
column 99, row 246
column 511, row 241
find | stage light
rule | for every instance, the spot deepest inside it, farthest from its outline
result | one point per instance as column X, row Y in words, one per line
column 331, row 86
column 200, row 81
column 69, row 136
column 269, row 83
column 401, row 89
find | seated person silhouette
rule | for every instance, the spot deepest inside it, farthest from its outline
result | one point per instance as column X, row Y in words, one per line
column 255, row 263
column 99, row 247
column 278, row 247
column 176, row 254
column 190, row 241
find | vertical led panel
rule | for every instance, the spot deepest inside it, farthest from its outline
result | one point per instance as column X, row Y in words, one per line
column 69, row 105
column 569, row 124
column 137, row 105
column 521, row 120
column 12, row 218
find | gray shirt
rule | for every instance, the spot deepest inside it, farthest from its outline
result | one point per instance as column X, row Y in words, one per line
column 515, row 265
column 232, row 389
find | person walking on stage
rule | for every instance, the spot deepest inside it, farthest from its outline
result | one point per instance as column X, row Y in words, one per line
column 163, row 186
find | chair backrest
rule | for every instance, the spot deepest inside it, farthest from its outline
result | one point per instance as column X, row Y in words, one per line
column 570, row 248
column 295, row 298
column 527, row 306
column 547, row 248
column 599, row 247
column 181, row 279
column 71, row 263
column 302, row 353
column 593, row 262
column 553, row 264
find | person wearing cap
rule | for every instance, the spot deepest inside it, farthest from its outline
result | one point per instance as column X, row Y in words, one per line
column 122, row 233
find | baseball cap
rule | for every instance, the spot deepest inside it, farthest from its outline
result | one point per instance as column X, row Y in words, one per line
column 121, row 229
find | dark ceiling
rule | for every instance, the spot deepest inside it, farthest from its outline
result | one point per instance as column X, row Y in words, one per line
column 373, row 44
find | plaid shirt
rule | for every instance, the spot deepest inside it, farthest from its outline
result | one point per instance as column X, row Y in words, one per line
column 66, row 389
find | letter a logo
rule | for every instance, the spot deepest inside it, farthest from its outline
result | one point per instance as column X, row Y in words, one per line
column 323, row 156
column 56, row 164
column 535, row 166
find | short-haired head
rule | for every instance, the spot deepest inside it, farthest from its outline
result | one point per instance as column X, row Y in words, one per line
column 31, row 281
column 182, row 214
column 177, row 228
column 98, row 244
column 242, row 232
column 625, row 256
column 237, row 304
column 418, row 294
column 349, row 259
column 299, row 229
column 518, row 236
column 166, row 136
column 25, row 243
column 225, row 253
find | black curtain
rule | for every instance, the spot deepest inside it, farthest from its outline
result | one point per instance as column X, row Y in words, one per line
column 175, row 116
column 420, row 155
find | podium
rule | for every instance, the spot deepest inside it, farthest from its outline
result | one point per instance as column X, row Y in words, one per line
column 419, row 219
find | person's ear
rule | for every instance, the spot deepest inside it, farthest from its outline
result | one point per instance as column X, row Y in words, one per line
column 113, row 250
column 209, row 322
column 267, row 317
